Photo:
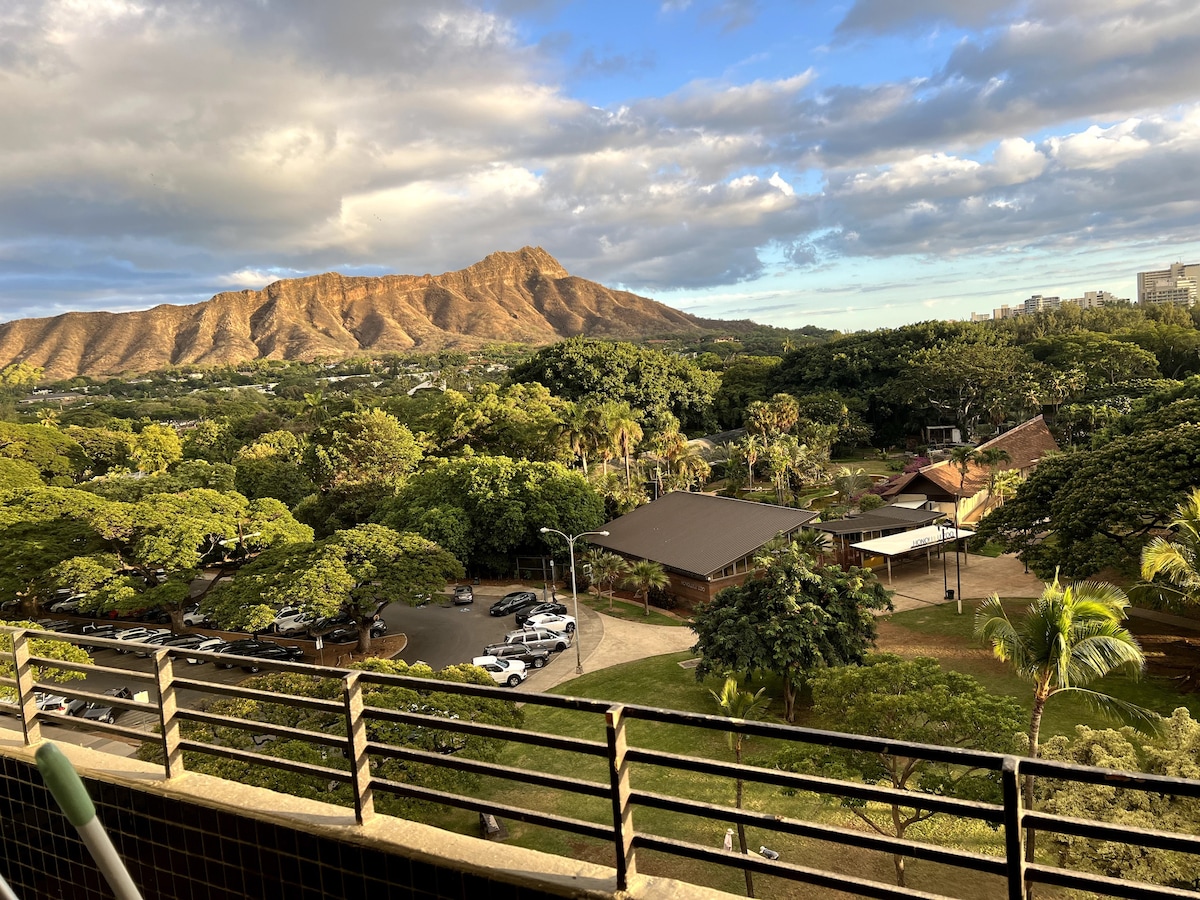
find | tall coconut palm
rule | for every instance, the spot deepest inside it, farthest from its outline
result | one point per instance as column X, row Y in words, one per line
column 1068, row 638
column 643, row 576
column 1172, row 568
column 738, row 704
column 625, row 433
column 752, row 448
column 578, row 430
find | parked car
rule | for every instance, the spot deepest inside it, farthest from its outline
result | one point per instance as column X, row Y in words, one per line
column 533, row 659
column 503, row 671
column 186, row 641
column 511, row 603
column 193, row 618
column 52, row 703
column 551, row 607
column 133, row 636
column 104, row 630
column 155, row 616
column 259, row 649
column 551, row 622
column 539, row 638
column 463, row 594
column 348, row 633
column 99, row 712
column 297, row 623
column 211, row 644
column 69, row 605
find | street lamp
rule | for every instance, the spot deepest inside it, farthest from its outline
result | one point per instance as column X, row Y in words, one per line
column 570, row 539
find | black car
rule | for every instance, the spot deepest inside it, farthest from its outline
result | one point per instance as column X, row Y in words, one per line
column 259, row 649
column 349, row 633
column 514, row 602
column 551, row 607
column 100, row 631
column 533, row 659
column 99, row 712
column 183, row 641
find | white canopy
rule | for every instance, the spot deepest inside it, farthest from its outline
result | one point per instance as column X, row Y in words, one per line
column 906, row 541
column 918, row 538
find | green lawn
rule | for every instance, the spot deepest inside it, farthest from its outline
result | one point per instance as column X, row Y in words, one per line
column 1063, row 713
column 662, row 681
column 627, row 609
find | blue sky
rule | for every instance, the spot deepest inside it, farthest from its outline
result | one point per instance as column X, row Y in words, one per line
column 849, row 165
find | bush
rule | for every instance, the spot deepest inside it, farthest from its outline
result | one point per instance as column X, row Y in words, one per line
column 663, row 599
column 870, row 501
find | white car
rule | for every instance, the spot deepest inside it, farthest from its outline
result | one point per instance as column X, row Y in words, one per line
column 552, row 622
column 212, row 644
column 69, row 605
column 193, row 618
column 137, row 635
column 295, row 623
column 503, row 671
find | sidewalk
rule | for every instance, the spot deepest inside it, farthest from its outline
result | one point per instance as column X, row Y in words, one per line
column 916, row 586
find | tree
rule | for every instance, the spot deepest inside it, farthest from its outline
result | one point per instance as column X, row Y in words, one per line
column 741, row 706
column 1172, row 754
column 791, row 618
column 45, row 648
column 1171, row 568
column 607, row 569
column 355, row 572
column 1083, row 511
column 155, row 448
column 644, row 575
column 751, row 447
column 907, row 700
column 625, row 433
column 429, row 703
column 849, row 483
column 1067, row 639
column 813, row 543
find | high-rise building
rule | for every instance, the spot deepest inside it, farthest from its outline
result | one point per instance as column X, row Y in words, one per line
column 1176, row 284
column 1095, row 299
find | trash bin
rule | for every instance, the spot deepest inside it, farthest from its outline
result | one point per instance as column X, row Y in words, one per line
column 950, row 594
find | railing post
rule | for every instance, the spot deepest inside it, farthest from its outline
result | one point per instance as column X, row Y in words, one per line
column 356, row 745
column 1014, row 833
column 164, row 671
column 618, row 774
column 28, row 702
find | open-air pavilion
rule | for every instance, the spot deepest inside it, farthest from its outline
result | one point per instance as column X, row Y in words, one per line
column 911, row 542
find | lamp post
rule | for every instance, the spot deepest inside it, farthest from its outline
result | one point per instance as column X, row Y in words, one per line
column 570, row 539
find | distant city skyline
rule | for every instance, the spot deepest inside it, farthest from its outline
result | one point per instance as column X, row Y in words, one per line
column 850, row 166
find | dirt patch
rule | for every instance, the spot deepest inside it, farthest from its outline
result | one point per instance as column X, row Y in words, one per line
column 908, row 643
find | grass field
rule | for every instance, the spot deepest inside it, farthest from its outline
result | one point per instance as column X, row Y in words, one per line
column 663, row 682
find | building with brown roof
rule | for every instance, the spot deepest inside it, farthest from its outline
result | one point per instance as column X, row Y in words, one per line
column 704, row 542
column 941, row 485
column 876, row 523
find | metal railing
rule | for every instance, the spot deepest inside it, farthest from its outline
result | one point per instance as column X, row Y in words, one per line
column 351, row 737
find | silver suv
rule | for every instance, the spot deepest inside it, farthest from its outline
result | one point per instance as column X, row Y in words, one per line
column 539, row 639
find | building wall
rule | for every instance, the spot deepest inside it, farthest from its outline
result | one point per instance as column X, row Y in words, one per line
column 1176, row 284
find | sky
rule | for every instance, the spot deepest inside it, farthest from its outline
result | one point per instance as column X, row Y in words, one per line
column 855, row 165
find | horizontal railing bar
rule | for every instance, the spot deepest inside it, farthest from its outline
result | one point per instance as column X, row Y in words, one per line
column 296, row 701
column 299, row 734
column 463, row 764
column 859, row 887
column 77, row 723
column 265, row 759
column 50, row 663
column 575, row 826
column 1103, row 831
column 102, row 699
column 992, row 865
column 976, row 759
column 1103, row 884
column 1137, row 781
column 425, row 685
column 986, row 812
column 535, row 738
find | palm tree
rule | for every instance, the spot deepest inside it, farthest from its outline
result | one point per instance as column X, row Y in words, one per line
column 851, row 482
column 812, row 543
column 691, row 468
column 745, row 706
column 625, row 433
column 644, row 575
column 607, row 568
column 1172, row 568
column 751, row 447
column 578, row 429
column 1067, row 639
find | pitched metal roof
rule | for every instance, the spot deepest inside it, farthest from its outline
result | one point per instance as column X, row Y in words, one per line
column 882, row 519
column 698, row 534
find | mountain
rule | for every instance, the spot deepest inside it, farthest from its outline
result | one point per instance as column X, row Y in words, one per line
column 524, row 296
